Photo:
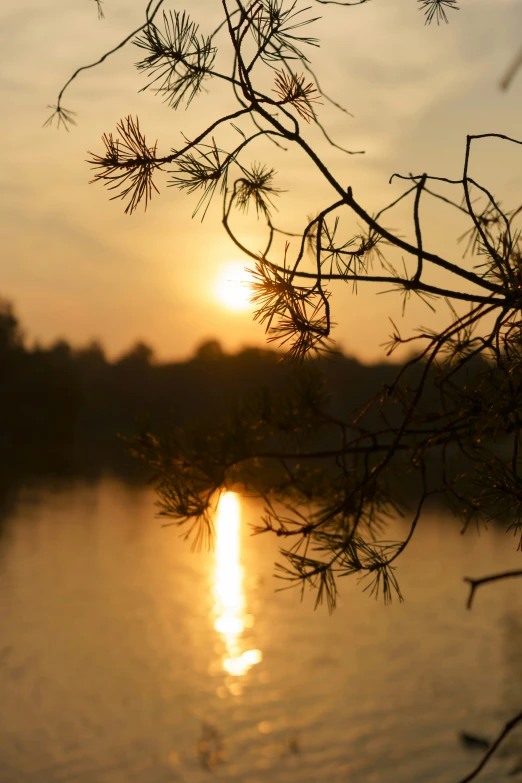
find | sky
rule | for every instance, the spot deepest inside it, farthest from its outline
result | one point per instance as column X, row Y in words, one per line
column 77, row 267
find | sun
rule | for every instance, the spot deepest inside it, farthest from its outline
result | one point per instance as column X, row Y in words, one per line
column 233, row 286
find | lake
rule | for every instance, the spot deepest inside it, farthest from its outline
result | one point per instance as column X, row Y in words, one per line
column 127, row 658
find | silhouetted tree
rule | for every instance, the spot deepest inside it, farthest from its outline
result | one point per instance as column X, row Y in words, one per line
column 11, row 338
column 139, row 354
column 211, row 349
column 332, row 504
column 92, row 356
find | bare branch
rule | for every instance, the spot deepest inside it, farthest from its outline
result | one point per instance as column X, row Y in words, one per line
column 476, row 583
column 149, row 19
column 508, row 728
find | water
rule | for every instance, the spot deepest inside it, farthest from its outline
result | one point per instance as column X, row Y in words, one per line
column 125, row 658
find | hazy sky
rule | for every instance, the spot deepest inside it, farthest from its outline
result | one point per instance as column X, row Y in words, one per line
column 76, row 266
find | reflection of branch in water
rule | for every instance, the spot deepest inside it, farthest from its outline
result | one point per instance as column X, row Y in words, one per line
column 513, row 638
column 473, row 742
column 210, row 747
column 511, row 72
column 508, row 728
column 512, row 641
column 292, row 746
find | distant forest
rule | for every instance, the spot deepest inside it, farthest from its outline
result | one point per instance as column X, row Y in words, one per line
column 64, row 403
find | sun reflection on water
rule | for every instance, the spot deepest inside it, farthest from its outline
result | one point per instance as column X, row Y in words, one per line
column 231, row 617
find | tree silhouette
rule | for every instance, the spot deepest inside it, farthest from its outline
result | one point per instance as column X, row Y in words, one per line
column 11, row 337
column 457, row 398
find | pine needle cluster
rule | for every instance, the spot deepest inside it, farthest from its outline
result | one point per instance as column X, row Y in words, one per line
column 128, row 164
column 437, row 9
column 178, row 59
column 276, row 29
column 256, row 186
column 292, row 89
column 297, row 318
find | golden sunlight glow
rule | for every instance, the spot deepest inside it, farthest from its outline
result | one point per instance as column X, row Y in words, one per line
column 228, row 587
column 233, row 289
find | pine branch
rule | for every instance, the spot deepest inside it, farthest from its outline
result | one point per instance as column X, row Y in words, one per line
column 178, row 59
column 128, row 164
column 437, row 9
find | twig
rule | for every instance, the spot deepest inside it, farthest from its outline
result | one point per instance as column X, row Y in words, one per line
column 508, row 728
column 476, row 583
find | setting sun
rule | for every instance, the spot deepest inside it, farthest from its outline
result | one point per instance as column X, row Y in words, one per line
column 232, row 288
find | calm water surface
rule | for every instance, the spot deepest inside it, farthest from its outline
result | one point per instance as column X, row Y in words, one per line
column 126, row 658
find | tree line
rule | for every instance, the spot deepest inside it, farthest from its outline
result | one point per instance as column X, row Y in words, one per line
column 62, row 396
column 73, row 409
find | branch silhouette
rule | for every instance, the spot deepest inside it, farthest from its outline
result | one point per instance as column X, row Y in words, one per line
column 330, row 483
